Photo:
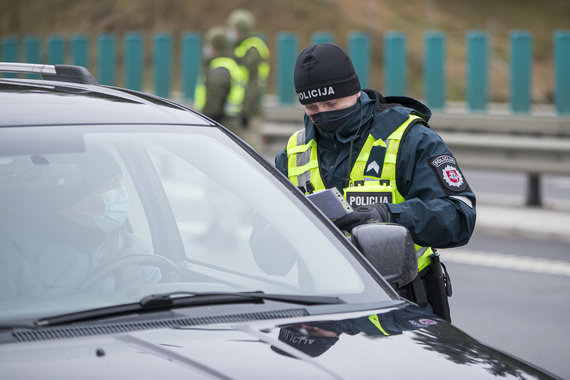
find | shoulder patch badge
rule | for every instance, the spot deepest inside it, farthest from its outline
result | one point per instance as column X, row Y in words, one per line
column 373, row 166
column 375, row 162
column 423, row 322
column 448, row 173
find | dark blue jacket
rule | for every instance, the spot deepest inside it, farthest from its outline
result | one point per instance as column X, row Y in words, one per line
column 437, row 215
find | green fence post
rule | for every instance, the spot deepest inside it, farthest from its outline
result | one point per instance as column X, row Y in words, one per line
column 32, row 50
column 10, row 53
column 520, row 97
column 287, row 46
column 80, row 51
column 133, row 64
column 10, row 49
column 562, row 71
column 107, row 60
column 322, row 37
column 434, row 69
column 32, row 53
column 191, row 62
column 359, row 52
column 56, row 50
column 477, row 70
column 162, row 64
column 521, row 71
column 395, row 64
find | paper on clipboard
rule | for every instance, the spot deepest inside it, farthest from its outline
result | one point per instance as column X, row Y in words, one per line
column 331, row 203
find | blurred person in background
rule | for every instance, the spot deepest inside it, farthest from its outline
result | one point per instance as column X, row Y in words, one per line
column 220, row 90
column 220, row 96
column 252, row 54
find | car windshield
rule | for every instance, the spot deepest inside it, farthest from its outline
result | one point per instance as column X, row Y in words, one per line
column 95, row 216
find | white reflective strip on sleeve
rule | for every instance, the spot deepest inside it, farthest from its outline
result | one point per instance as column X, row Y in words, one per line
column 463, row 199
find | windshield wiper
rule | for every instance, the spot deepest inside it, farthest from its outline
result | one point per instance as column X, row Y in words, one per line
column 207, row 298
column 171, row 300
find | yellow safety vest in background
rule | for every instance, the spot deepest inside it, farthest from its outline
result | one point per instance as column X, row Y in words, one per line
column 234, row 101
column 263, row 67
column 303, row 167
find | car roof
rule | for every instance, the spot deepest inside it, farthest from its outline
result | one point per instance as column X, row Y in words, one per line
column 61, row 99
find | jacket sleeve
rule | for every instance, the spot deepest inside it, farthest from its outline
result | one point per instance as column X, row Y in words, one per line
column 281, row 161
column 439, row 209
column 218, row 83
column 251, row 98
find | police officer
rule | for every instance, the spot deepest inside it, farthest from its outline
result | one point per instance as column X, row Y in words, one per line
column 381, row 154
column 252, row 54
column 221, row 88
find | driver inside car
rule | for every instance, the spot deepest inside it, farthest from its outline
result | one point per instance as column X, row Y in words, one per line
column 62, row 234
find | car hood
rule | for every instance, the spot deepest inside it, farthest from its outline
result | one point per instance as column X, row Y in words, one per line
column 401, row 343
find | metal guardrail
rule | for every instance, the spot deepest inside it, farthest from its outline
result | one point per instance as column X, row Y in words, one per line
column 533, row 144
column 540, row 155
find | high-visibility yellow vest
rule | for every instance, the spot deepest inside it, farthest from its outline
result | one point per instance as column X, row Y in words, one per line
column 234, row 101
column 303, row 168
column 263, row 67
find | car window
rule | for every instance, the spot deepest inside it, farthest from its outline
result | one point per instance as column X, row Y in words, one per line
column 93, row 216
column 218, row 200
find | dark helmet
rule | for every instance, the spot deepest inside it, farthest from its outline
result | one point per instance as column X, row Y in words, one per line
column 217, row 38
column 241, row 20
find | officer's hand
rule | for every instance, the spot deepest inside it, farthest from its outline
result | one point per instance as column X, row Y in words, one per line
column 378, row 212
column 244, row 122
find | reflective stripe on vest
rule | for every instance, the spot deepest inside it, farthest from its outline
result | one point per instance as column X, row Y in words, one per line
column 263, row 68
column 303, row 168
column 302, row 161
column 376, row 322
column 234, row 101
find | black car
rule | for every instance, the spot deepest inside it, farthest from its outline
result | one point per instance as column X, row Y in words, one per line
column 140, row 239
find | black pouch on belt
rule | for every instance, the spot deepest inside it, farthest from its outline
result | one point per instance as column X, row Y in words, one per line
column 438, row 287
column 415, row 292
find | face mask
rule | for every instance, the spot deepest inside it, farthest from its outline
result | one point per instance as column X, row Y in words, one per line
column 207, row 52
column 116, row 210
column 232, row 36
column 330, row 121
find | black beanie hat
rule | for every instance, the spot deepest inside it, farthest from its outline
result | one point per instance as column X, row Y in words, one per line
column 323, row 72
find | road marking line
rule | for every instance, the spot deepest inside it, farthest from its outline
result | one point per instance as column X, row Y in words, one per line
column 504, row 261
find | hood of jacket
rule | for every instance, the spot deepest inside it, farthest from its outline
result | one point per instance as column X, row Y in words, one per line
column 384, row 103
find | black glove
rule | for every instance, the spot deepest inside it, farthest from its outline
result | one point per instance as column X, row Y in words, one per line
column 244, row 120
column 377, row 212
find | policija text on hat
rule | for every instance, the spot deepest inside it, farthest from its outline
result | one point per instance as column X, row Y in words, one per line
column 380, row 153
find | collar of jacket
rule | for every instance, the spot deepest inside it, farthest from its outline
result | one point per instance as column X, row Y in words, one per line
column 226, row 53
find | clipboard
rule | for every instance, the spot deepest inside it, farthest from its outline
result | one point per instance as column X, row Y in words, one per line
column 331, row 203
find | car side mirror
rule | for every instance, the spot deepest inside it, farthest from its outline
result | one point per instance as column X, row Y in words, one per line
column 390, row 249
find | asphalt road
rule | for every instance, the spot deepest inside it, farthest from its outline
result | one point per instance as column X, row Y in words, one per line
column 521, row 309
column 511, row 290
